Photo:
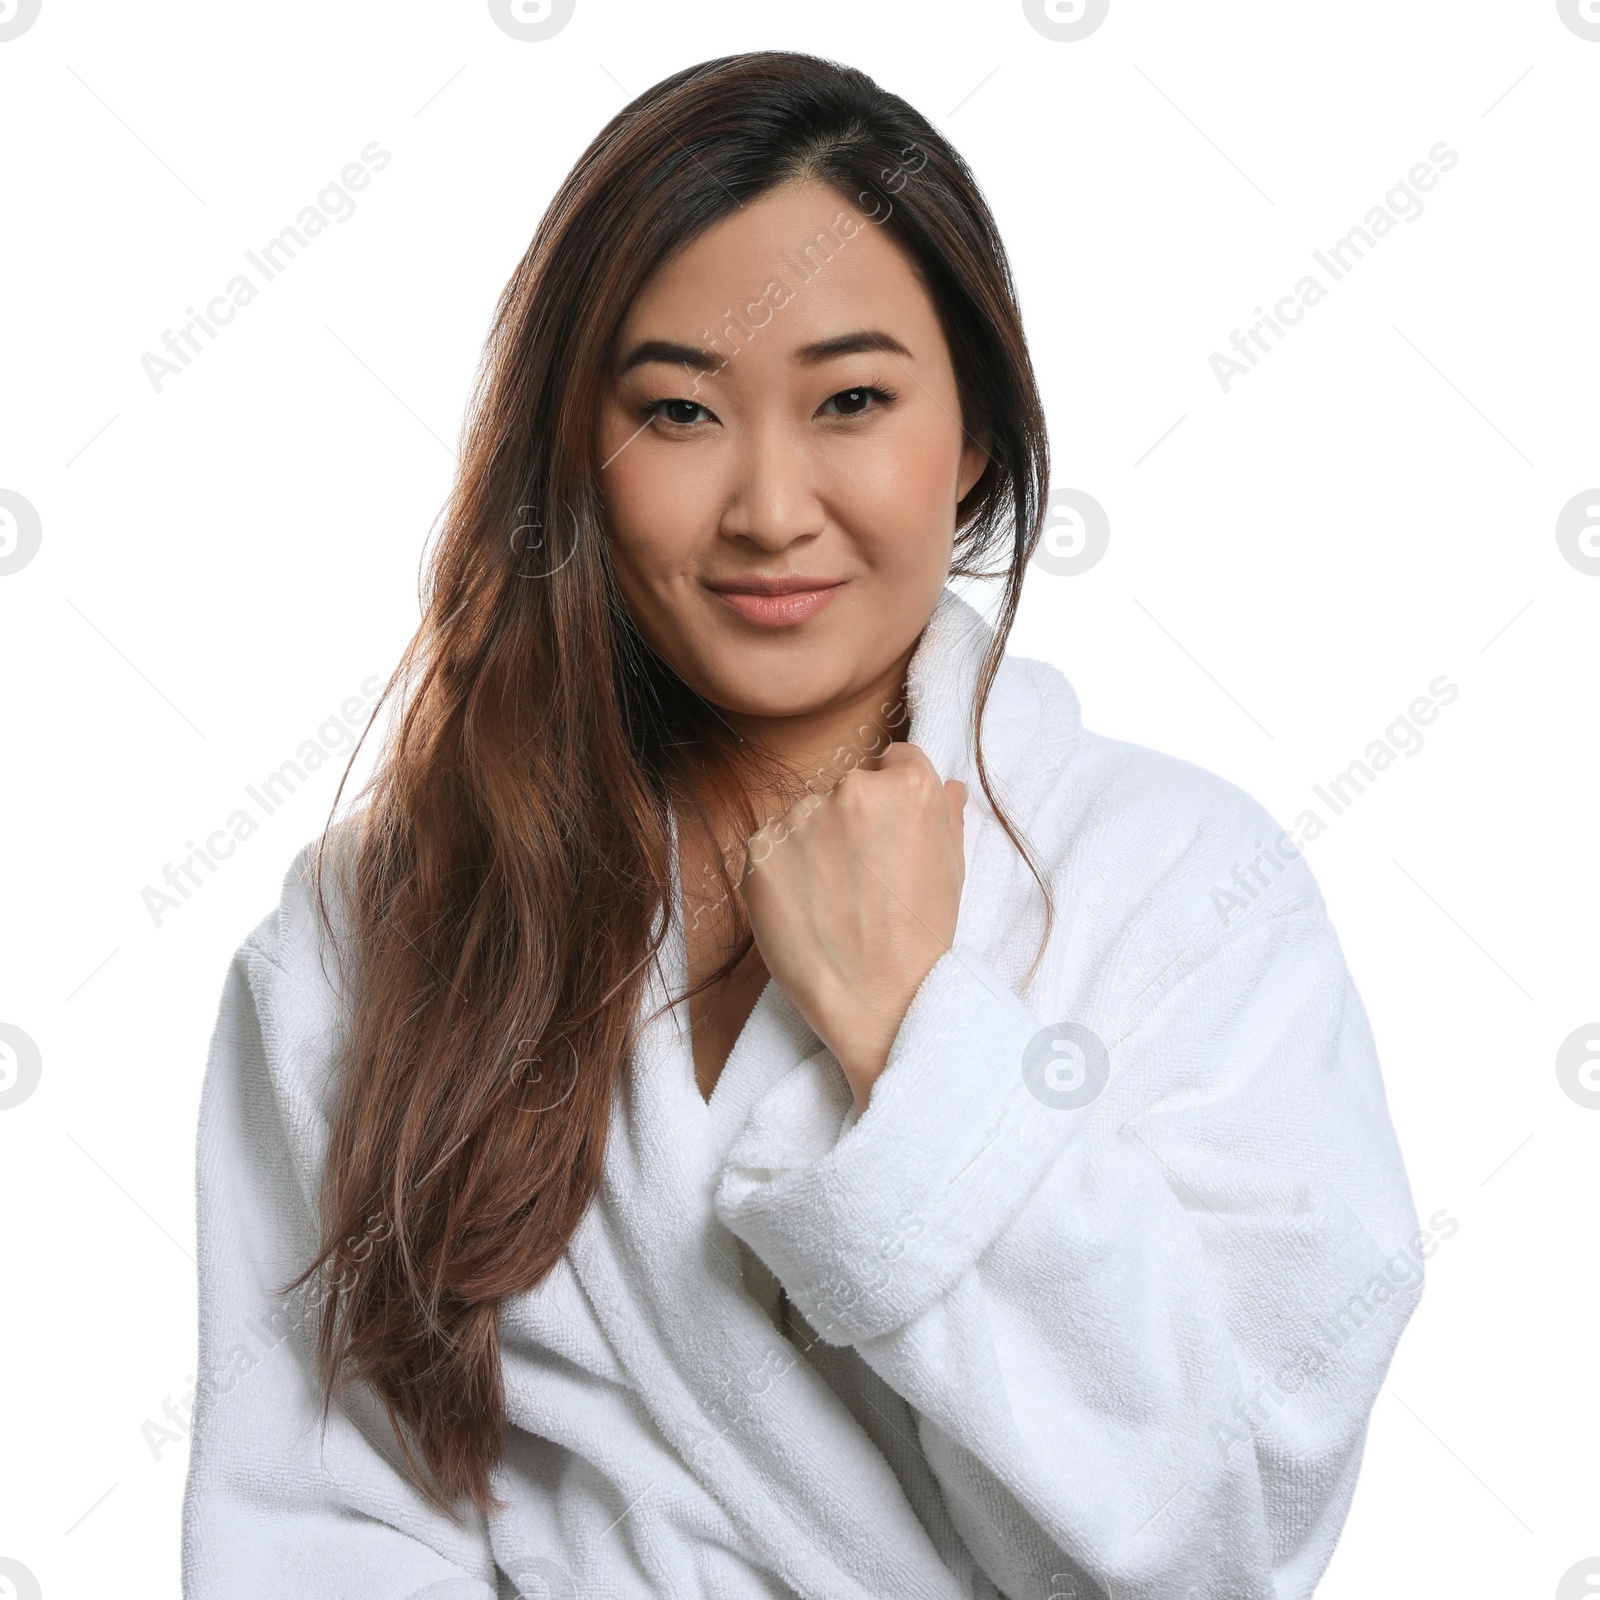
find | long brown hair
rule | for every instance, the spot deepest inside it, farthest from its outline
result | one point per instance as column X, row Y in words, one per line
column 502, row 892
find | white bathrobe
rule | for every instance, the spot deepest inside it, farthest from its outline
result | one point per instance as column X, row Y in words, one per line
column 1093, row 1300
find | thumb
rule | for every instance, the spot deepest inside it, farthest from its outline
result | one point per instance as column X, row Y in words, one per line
column 956, row 791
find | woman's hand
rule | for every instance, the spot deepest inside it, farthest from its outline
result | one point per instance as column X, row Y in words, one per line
column 853, row 895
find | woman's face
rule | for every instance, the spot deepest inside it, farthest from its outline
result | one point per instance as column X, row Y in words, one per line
column 733, row 455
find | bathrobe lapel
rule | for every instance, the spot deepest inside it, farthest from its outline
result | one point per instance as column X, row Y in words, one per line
column 755, row 1423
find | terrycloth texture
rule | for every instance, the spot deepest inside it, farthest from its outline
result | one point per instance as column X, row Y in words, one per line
column 1042, row 1341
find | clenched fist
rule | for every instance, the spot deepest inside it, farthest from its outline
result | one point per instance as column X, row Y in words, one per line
column 853, row 896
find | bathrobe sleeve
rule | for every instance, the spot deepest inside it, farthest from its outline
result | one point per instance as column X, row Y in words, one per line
column 1140, row 1317
column 270, row 1508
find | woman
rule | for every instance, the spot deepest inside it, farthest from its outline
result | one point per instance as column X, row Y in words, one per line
column 738, row 1131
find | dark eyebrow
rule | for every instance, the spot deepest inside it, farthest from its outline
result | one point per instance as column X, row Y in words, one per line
column 849, row 344
column 664, row 350
column 810, row 355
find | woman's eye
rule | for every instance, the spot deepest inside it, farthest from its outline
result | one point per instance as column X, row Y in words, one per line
column 681, row 415
column 856, row 401
column 672, row 411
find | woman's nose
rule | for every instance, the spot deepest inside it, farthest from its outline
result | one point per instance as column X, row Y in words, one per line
column 773, row 494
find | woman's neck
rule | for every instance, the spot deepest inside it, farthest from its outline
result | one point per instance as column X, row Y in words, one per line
column 822, row 746
column 817, row 749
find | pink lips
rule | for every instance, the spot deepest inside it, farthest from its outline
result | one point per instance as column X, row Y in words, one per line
column 777, row 602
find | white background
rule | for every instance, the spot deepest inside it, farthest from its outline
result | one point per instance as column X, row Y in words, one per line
column 224, row 562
